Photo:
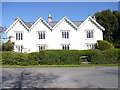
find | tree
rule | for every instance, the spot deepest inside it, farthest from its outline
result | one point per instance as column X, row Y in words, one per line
column 110, row 20
column 117, row 31
column 8, row 46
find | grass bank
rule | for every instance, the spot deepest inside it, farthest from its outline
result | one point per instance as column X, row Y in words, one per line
column 36, row 66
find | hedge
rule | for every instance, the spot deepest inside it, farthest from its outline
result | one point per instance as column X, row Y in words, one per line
column 61, row 57
column 104, row 45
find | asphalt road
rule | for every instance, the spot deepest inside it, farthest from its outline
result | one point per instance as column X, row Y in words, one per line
column 80, row 77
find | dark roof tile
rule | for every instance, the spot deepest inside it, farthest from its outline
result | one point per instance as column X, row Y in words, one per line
column 29, row 24
column 52, row 24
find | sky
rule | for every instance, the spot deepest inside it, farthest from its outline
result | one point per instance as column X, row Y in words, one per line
column 31, row 11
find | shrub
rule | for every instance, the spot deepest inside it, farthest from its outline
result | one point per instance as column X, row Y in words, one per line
column 8, row 46
column 61, row 57
column 94, row 56
column 14, row 58
column 104, row 45
column 111, row 56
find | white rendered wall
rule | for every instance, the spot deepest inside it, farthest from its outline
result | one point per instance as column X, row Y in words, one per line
column 53, row 39
column 19, row 28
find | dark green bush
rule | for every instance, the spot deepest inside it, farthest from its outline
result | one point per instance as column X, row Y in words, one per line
column 94, row 56
column 104, row 45
column 14, row 58
column 61, row 57
column 8, row 46
column 110, row 56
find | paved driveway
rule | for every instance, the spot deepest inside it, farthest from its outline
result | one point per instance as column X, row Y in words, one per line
column 80, row 77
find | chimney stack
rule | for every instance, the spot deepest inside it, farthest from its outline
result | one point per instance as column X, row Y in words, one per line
column 49, row 18
column 94, row 17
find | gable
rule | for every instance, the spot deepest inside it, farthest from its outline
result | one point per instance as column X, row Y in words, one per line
column 65, row 21
column 92, row 21
column 17, row 21
column 40, row 20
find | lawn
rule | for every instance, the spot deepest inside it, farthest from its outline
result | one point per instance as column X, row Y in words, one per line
column 35, row 66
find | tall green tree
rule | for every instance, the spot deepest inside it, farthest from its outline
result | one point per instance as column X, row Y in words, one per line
column 110, row 20
column 116, row 32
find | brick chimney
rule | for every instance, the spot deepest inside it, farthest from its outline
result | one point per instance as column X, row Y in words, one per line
column 49, row 18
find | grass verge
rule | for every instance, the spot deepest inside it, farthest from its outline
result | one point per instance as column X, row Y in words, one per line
column 36, row 66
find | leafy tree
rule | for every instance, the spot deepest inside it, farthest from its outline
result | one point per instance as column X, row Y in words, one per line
column 8, row 46
column 116, row 32
column 110, row 20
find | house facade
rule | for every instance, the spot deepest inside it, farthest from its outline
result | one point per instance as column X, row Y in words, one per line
column 64, row 34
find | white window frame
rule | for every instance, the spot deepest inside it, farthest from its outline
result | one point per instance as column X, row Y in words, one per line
column 19, row 35
column 65, row 34
column 41, row 35
column 65, row 46
column 90, row 45
column 41, row 47
column 89, row 34
column 19, row 48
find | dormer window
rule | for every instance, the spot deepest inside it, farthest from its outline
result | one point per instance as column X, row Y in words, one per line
column 19, row 35
column 41, row 35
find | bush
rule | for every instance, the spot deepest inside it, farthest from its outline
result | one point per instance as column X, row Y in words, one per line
column 104, row 45
column 94, row 56
column 14, row 58
column 8, row 46
column 61, row 57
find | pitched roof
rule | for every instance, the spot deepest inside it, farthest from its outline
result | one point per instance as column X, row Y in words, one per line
column 29, row 24
column 52, row 24
column 77, row 23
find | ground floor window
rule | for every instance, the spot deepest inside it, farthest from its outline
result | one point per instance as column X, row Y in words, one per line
column 19, row 48
column 65, row 47
column 90, row 46
column 41, row 47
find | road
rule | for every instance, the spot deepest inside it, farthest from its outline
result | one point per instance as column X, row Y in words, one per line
column 78, row 77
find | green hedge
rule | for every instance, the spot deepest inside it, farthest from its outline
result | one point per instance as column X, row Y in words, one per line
column 14, row 58
column 104, row 45
column 61, row 57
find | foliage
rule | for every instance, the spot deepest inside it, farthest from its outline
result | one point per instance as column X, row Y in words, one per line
column 14, row 58
column 104, row 45
column 61, row 57
column 110, row 20
column 8, row 46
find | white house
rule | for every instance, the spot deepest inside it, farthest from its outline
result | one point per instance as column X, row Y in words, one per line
column 65, row 34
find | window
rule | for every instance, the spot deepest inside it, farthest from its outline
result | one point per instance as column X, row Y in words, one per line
column 19, row 48
column 89, row 34
column 41, row 47
column 19, row 36
column 90, row 46
column 65, row 34
column 41, row 35
column 65, row 47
